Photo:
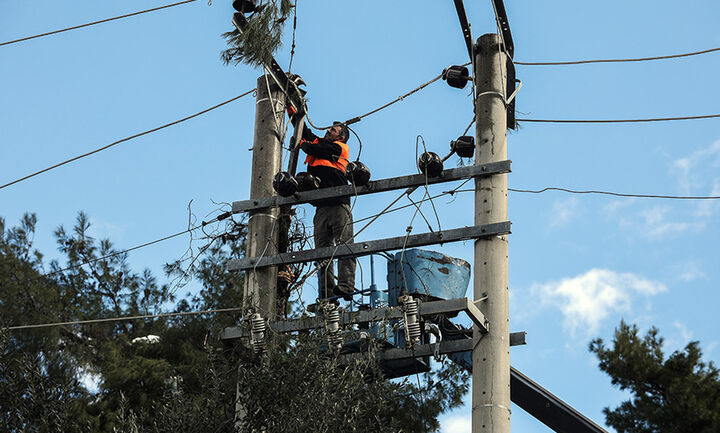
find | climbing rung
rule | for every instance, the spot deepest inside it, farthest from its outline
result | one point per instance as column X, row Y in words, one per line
column 381, row 185
column 372, row 247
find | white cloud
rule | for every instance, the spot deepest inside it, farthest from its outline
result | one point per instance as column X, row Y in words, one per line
column 689, row 271
column 456, row 424
column 586, row 300
column 105, row 230
column 685, row 334
column 657, row 226
column 685, row 167
column 564, row 211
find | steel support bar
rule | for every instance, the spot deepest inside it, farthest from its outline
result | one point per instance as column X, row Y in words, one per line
column 429, row 308
column 504, row 24
column 465, row 26
column 381, row 185
column 371, row 247
column 548, row 409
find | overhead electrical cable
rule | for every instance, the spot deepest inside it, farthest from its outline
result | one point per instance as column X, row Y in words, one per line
column 137, row 247
column 121, row 318
column 382, row 107
column 612, row 193
column 639, row 59
column 657, row 119
column 54, row 32
column 126, row 139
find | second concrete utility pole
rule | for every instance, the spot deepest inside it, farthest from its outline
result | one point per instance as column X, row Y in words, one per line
column 491, row 354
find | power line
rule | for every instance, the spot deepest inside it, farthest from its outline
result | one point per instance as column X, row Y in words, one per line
column 146, row 244
column 126, row 139
column 658, row 119
column 95, row 22
column 639, row 59
column 382, row 107
column 89, row 262
column 121, row 319
column 612, row 193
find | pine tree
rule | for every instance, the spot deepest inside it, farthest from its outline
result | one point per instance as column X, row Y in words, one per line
column 187, row 380
column 677, row 394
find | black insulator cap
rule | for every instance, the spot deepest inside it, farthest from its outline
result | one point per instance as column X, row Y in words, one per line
column 430, row 164
column 284, row 184
column 456, row 76
column 464, row 146
column 245, row 6
column 357, row 173
column 306, row 181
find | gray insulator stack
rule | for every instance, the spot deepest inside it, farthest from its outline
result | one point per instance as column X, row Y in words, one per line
column 257, row 333
column 332, row 328
column 412, row 320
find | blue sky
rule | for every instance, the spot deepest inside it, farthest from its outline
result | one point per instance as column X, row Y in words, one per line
column 578, row 264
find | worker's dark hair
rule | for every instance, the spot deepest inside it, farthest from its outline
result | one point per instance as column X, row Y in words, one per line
column 345, row 131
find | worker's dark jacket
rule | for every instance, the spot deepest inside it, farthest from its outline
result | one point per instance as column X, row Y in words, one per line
column 326, row 160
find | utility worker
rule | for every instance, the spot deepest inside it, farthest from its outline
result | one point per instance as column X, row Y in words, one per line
column 327, row 159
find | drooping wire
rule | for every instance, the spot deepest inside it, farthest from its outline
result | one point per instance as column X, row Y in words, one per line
column 121, row 318
column 619, row 194
column 126, row 139
column 658, row 119
column 95, row 22
column 612, row 193
column 359, row 142
column 639, row 59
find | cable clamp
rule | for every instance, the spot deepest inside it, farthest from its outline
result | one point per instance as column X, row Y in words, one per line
column 494, row 405
column 262, row 214
column 493, row 93
column 512, row 96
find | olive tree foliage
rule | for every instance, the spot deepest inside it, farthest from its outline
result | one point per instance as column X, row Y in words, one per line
column 675, row 394
column 255, row 46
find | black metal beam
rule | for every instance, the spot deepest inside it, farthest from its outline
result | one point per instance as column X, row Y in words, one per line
column 465, row 26
column 371, row 247
column 547, row 408
column 504, row 24
column 381, row 185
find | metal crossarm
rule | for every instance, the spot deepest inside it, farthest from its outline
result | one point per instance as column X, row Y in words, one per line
column 429, row 308
column 371, row 247
column 381, row 185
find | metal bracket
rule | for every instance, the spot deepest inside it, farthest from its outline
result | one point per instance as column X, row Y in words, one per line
column 371, row 247
column 388, row 184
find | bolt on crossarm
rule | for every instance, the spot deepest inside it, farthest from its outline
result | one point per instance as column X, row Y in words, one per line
column 491, row 352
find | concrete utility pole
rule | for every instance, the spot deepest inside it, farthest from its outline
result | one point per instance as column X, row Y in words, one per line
column 491, row 354
column 260, row 292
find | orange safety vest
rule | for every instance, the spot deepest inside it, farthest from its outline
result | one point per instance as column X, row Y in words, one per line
column 340, row 164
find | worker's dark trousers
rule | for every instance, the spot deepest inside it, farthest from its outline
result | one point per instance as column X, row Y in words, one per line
column 334, row 226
